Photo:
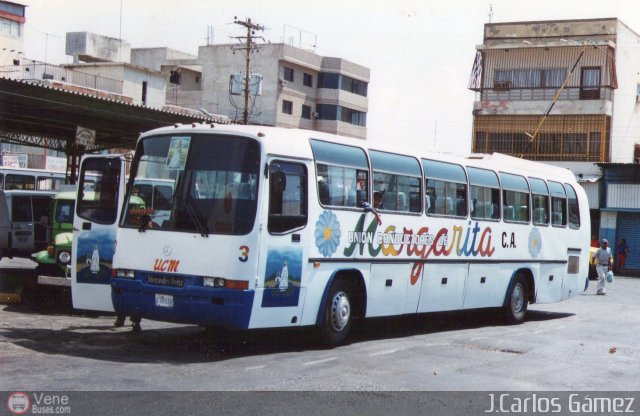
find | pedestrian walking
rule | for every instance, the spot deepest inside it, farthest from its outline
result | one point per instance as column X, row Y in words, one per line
column 604, row 260
column 622, row 251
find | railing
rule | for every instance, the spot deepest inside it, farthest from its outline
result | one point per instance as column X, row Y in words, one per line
column 540, row 94
column 41, row 71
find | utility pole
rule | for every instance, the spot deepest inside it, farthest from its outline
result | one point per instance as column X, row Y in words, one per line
column 248, row 48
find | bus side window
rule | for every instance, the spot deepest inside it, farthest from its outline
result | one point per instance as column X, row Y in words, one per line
column 540, row 201
column 287, row 197
column 15, row 181
column 397, row 179
column 342, row 172
column 515, row 197
column 574, row 209
column 446, row 188
column 558, row 204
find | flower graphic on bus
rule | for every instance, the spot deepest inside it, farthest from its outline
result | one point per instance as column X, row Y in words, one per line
column 327, row 233
column 535, row 242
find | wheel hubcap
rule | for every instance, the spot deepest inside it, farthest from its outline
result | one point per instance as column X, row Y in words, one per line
column 340, row 311
column 517, row 298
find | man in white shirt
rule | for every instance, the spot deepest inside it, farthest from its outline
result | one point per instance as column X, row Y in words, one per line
column 604, row 260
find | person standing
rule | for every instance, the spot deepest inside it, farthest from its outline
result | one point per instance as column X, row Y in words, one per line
column 603, row 259
column 622, row 250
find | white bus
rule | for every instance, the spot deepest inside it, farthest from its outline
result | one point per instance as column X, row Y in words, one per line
column 272, row 227
column 30, row 179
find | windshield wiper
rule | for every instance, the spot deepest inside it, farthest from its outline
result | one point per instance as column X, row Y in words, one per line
column 194, row 214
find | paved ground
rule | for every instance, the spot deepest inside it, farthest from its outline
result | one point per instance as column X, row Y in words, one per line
column 586, row 343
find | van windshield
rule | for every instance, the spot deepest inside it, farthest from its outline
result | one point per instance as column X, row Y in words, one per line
column 205, row 183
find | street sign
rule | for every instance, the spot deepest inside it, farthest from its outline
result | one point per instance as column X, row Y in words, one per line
column 85, row 136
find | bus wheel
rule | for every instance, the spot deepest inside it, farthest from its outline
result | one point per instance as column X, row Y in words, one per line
column 337, row 317
column 517, row 301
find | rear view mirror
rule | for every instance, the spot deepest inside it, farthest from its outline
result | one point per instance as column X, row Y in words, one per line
column 278, row 179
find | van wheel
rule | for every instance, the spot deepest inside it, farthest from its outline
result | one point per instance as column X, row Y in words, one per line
column 517, row 301
column 338, row 314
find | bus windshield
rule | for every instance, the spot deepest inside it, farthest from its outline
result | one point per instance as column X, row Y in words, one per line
column 209, row 183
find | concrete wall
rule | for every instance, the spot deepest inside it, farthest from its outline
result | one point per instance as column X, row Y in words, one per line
column 219, row 62
column 155, row 58
column 132, row 78
column 625, row 126
column 594, row 29
column 91, row 47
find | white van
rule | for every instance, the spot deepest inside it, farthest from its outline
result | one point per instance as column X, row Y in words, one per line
column 21, row 229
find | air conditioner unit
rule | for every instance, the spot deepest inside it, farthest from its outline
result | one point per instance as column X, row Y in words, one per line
column 315, row 114
column 282, row 82
column 502, row 85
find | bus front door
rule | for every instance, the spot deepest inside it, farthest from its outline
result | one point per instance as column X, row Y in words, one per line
column 100, row 194
column 283, row 255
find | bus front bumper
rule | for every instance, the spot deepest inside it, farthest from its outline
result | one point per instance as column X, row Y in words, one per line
column 224, row 308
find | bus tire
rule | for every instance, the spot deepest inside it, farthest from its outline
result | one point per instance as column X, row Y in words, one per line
column 338, row 314
column 515, row 308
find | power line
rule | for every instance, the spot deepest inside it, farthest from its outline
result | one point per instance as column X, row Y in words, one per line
column 248, row 47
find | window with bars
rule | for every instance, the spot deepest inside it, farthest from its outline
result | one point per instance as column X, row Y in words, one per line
column 529, row 78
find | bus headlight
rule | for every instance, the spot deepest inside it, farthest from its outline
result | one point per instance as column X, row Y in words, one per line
column 64, row 257
column 124, row 273
column 213, row 282
column 221, row 282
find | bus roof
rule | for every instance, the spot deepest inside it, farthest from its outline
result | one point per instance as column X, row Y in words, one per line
column 291, row 141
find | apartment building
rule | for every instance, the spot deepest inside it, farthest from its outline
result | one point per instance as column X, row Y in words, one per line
column 12, row 19
column 565, row 92
column 289, row 86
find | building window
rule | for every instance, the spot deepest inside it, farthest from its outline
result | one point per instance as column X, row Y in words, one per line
column 327, row 111
column 328, row 80
column 529, row 78
column 287, row 107
column 345, row 83
column 174, row 77
column 351, row 116
column 306, row 112
column 288, row 74
column 336, row 112
column 590, row 84
column 354, row 86
column 144, row 92
column 307, row 80
column 10, row 27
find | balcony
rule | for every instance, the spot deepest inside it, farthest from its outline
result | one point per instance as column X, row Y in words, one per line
column 42, row 73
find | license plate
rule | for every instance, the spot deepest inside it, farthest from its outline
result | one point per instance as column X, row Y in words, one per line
column 164, row 301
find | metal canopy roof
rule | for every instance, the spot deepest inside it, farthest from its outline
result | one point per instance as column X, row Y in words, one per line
column 47, row 117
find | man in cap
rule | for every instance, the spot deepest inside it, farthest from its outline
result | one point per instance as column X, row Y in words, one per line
column 604, row 260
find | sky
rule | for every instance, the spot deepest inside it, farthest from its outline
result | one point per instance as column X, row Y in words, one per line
column 420, row 52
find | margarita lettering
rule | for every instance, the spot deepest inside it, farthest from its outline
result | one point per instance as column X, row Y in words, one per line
column 469, row 241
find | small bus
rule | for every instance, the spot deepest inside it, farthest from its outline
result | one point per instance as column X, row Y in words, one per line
column 270, row 227
column 30, row 179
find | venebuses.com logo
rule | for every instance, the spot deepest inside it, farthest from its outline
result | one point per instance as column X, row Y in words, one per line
column 18, row 403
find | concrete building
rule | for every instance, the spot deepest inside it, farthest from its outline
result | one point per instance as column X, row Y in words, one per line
column 12, row 19
column 565, row 92
column 298, row 88
column 183, row 75
column 109, row 59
